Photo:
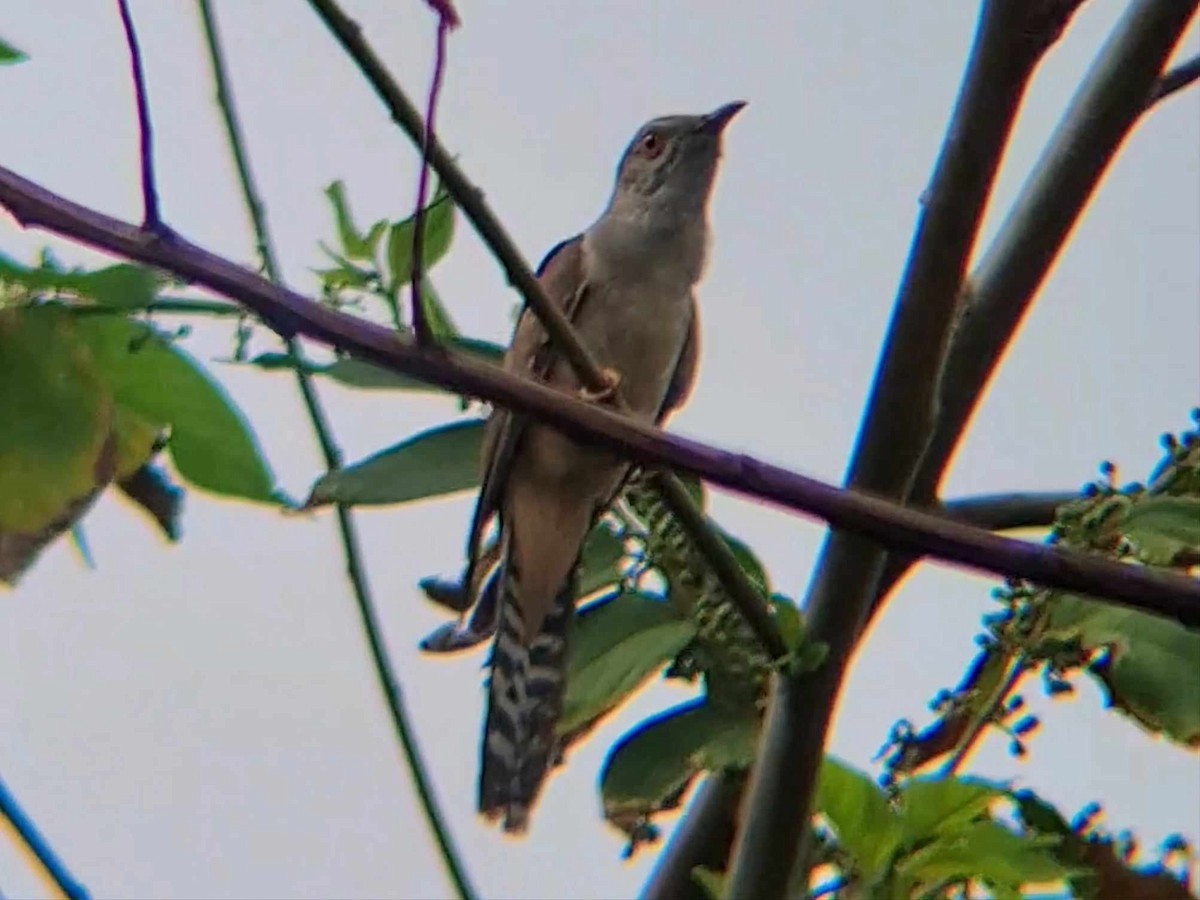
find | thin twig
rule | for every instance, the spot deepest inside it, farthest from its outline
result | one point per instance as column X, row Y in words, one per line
column 558, row 327
column 421, row 330
column 1010, row 40
column 179, row 306
column 384, row 671
column 24, row 828
column 1149, row 589
column 1175, row 79
column 1008, row 512
column 983, row 718
column 151, row 215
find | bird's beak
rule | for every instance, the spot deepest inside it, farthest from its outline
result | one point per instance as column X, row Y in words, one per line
column 715, row 121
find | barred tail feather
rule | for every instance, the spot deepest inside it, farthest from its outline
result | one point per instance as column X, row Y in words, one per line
column 525, row 699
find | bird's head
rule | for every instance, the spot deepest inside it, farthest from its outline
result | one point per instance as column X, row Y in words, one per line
column 669, row 166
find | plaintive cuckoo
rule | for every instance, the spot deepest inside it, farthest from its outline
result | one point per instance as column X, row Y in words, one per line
column 626, row 284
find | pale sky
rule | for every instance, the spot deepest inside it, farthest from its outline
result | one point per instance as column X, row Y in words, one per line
column 201, row 720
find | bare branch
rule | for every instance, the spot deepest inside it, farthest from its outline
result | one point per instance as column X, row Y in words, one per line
column 701, row 839
column 1010, row 41
column 385, row 672
column 1006, row 512
column 27, row 832
column 421, row 330
column 150, row 211
column 1105, row 109
column 1175, row 79
column 1151, row 590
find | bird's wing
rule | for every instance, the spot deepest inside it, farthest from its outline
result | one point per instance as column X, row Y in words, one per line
column 561, row 276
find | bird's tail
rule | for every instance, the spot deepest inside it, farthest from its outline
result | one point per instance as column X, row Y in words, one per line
column 525, row 699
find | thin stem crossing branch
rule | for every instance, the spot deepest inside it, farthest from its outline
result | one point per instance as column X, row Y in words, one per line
column 55, row 871
column 384, row 670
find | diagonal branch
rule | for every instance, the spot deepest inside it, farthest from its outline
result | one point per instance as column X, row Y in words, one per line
column 1010, row 41
column 62, row 880
column 1004, row 284
column 470, row 200
column 384, row 671
column 150, row 211
column 1007, row 512
column 1096, row 135
column 1175, row 79
column 1152, row 590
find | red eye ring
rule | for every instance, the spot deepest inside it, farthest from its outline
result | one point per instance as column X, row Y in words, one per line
column 651, row 144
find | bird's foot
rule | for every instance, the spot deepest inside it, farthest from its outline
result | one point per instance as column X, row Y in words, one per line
column 606, row 394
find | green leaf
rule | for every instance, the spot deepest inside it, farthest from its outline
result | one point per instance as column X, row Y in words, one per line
column 355, row 245
column 1151, row 664
column 345, row 275
column 788, row 620
column 750, row 563
column 710, row 881
column 986, row 851
column 935, row 806
column 859, row 812
column 650, row 766
column 10, row 55
column 121, row 286
column 438, row 230
column 616, row 646
column 436, row 314
column 598, row 563
column 211, row 443
column 56, row 416
column 439, row 461
column 1160, row 527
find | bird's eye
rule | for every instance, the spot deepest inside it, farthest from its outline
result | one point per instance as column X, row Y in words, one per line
column 651, row 144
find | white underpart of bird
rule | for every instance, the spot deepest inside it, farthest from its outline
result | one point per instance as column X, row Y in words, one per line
column 627, row 286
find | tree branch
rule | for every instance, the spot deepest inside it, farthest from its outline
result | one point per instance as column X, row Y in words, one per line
column 1105, row 109
column 702, row 838
column 1010, row 40
column 1175, row 79
column 1148, row 589
column 1006, row 512
column 384, row 671
column 150, row 211
column 420, row 325
column 29, row 835
column 562, row 334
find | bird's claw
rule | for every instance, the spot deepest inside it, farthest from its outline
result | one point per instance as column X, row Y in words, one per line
column 612, row 381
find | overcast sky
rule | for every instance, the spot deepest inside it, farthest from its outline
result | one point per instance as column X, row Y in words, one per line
column 201, row 720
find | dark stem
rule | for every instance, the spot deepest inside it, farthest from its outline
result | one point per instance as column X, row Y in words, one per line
column 150, row 211
column 1010, row 40
column 1007, row 512
column 702, row 838
column 384, row 670
column 910, row 530
column 421, row 329
column 29, row 835
column 1105, row 109
column 983, row 718
column 1175, row 79
column 562, row 334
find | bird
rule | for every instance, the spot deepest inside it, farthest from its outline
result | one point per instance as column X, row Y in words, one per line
column 627, row 285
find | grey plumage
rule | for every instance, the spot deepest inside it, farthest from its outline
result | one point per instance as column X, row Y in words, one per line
column 626, row 284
